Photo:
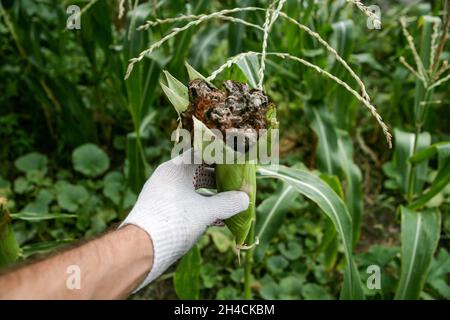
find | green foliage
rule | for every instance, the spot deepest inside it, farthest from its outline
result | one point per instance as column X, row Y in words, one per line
column 420, row 235
column 90, row 160
column 32, row 162
column 187, row 275
column 78, row 142
column 319, row 192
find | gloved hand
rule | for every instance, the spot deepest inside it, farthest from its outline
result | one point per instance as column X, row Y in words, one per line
column 175, row 215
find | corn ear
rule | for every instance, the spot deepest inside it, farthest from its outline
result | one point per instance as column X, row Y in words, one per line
column 241, row 177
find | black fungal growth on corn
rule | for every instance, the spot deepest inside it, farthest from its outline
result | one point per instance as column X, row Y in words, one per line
column 236, row 108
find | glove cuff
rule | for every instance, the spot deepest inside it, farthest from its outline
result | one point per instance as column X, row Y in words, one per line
column 166, row 238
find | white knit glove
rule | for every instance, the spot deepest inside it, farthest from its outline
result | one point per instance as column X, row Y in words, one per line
column 175, row 215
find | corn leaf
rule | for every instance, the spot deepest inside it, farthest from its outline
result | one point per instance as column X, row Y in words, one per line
column 420, row 236
column 335, row 157
column 318, row 191
column 186, row 279
column 137, row 170
column 327, row 148
column 32, row 216
column 270, row 215
column 442, row 178
column 342, row 40
column 404, row 146
column 140, row 88
column 351, row 173
column 249, row 65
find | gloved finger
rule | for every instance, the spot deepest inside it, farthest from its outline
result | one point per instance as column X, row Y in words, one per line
column 204, row 177
column 226, row 204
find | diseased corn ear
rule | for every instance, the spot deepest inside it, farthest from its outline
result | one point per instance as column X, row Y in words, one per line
column 176, row 92
column 231, row 177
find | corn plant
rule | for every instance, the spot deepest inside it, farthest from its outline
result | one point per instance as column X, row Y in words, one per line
column 420, row 219
column 243, row 177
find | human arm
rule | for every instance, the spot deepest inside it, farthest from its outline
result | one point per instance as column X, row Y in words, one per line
column 167, row 219
column 109, row 267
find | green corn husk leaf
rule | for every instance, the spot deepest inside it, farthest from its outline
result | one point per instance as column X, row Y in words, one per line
column 177, row 101
column 176, row 85
column 194, row 74
column 176, row 92
column 242, row 177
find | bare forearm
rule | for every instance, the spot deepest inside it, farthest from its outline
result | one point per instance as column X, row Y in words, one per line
column 106, row 268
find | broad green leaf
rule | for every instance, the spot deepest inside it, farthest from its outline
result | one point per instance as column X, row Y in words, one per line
column 439, row 183
column 312, row 291
column 114, row 187
column 404, row 148
column 270, row 215
column 249, row 65
column 318, row 191
column 33, row 216
column 438, row 275
column 187, row 275
column 137, row 167
column 420, row 236
column 335, row 157
column 205, row 43
column 442, row 178
column 32, row 162
column 327, row 148
column 90, row 160
column 222, row 241
column 71, row 197
column 276, row 264
column 236, row 31
column 41, row 203
column 441, row 148
column 140, row 89
column 342, row 40
column 22, row 185
column 291, row 250
column 352, row 176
